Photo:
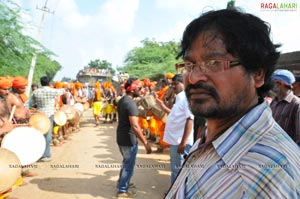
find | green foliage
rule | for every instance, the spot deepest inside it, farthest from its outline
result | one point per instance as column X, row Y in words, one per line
column 67, row 79
column 17, row 49
column 98, row 64
column 152, row 60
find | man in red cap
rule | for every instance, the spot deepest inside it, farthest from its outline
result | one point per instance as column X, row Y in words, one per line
column 128, row 131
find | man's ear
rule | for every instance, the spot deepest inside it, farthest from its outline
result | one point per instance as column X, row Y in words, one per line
column 259, row 77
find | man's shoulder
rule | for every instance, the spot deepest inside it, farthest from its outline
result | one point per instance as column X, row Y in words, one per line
column 12, row 97
column 296, row 100
column 275, row 145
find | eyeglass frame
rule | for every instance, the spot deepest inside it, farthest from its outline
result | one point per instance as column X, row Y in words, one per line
column 189, row 66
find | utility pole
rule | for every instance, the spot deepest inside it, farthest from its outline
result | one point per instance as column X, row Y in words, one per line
column 45, row 10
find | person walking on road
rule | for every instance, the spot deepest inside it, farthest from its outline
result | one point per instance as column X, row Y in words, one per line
column 128, row 130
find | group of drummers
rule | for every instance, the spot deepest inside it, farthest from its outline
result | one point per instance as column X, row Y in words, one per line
column 24, row 129
column 16, row 114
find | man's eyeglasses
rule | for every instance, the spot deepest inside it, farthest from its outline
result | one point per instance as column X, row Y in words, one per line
column 206, row 67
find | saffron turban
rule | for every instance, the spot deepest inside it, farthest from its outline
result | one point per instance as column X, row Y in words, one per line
column 19, row 82
column 58, row 85
column 147, row 82
column 169, row 75
column 5, row 82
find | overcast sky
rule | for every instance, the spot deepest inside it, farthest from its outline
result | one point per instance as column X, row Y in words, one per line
column 83, row 30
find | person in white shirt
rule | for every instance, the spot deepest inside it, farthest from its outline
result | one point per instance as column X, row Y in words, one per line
column 179, row 127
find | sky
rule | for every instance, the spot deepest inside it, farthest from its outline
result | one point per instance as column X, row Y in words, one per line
column 79, row 31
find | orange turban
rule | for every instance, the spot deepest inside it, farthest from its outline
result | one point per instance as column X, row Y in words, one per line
column 147, row 82
column 19, row 82
column 78, row 85
column 58, row 85
column 5, row 82
column 169, row 75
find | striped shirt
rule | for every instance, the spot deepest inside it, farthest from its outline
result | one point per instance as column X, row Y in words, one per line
column 287, row 114
column 254, row 158
column 44, row 99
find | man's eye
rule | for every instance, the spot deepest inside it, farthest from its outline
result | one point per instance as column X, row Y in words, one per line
column 212, row 62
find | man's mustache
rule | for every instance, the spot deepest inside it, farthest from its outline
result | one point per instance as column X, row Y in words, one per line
column 212, row 91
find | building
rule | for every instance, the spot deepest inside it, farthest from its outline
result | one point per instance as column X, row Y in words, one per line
column 91, row 75
column 290, row 61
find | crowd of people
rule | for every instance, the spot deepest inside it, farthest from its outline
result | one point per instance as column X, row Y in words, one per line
column 230, row 120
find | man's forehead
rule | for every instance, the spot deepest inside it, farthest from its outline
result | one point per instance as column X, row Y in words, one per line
column 207, row 45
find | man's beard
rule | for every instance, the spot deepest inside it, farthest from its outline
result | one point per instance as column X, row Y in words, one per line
column 213, row 107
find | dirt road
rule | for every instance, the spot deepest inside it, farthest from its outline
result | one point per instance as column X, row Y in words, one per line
column 87, row 166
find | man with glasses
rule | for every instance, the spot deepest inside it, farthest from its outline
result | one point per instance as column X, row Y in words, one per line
column 243, row 153
column 286, row 106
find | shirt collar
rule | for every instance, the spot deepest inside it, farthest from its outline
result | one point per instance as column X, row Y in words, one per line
column 236, row 141
column 289, row 97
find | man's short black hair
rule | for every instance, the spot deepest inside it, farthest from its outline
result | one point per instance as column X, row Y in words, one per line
column 245, row 36
column 163, row 81
column 129, row 81
column 45, row 81
column 178, row 77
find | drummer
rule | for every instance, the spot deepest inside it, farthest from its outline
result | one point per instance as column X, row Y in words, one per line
column 97, row 103
column 19, row 85
column 21, row 114
column 5, row 127
column 78, row 93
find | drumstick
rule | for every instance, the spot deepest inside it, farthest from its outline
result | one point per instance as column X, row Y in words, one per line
column 12, row 112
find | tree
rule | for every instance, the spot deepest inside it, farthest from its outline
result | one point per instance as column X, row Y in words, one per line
column 152, row 60
column 16, row 48
column 98, row 64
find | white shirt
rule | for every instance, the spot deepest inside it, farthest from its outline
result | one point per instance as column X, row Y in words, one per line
column 176, row 120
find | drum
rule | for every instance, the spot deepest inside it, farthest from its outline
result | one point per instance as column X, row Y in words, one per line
column 40, row 122
column 60, row 118
column 10, row 169
column 79, row 107
column 75, row 120
column 159, row 113
column 148, row 102
column 142, row 112
column 26, row 142
column 69, row 110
